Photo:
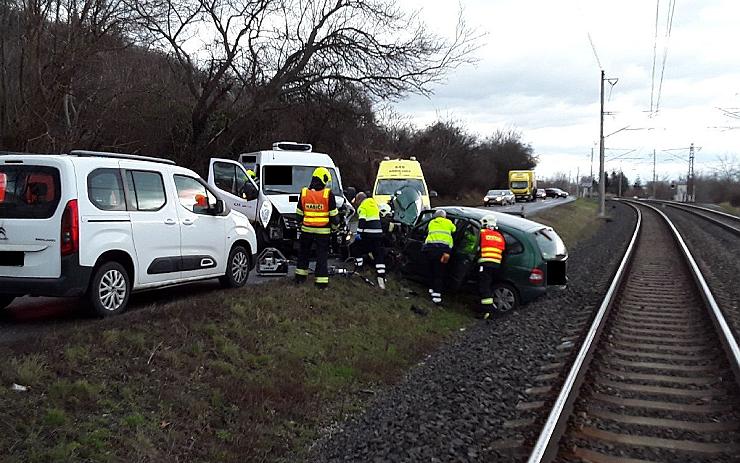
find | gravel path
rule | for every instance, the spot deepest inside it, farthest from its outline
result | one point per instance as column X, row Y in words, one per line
column 717, row 252
column 483, row 396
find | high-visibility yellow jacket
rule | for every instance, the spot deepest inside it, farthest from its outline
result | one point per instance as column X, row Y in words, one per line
column 317, row 208
column 440, row 233
column 369, row 215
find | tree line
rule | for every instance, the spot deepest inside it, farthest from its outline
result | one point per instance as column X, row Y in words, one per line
column 194, row 79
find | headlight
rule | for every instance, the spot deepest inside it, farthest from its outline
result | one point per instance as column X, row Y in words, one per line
column 485, row 198
column 265, row 213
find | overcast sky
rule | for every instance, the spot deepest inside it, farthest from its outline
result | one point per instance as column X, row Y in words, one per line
column 537, row 73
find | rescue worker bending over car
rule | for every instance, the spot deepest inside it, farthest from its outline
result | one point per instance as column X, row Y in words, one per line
column 317, row 209
column 369, row 239
column 437, row 248
column 492, row 247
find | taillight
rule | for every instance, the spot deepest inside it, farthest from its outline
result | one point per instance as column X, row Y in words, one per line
column 70, row 239
column 537, row 277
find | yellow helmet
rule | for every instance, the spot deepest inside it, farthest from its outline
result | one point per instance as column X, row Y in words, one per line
column 251, row 174
column 322, row 173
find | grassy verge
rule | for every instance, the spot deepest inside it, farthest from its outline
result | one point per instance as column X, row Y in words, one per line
column 574, row 221
column 248, row 375
column 730, row 208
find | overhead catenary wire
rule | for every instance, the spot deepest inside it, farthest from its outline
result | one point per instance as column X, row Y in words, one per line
column 668, row 30
column 655, row 53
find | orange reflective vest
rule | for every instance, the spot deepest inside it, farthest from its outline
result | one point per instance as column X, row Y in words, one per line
column 492, row 245
column 315, row 210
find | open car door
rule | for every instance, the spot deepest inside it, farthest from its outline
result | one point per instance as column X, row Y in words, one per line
column 415, row 262
column 464, row 254
column 234, row 186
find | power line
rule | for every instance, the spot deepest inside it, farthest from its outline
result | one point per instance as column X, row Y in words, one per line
column 669, row 28
column 593, row 47
column 655, row 53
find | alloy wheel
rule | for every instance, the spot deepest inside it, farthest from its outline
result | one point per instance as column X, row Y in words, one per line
column 239, row 267
column 504, row 299
column 112, row 290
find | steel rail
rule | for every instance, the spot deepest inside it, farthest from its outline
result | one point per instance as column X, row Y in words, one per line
column 700, row 208
column 553, row 428
column 547, row 443
column 693, row 209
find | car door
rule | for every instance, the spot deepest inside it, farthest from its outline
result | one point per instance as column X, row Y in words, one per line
column 518, row 258
column 202, row 229
column 464, row 253
column 415, row 263
column 154, row 223
column 233, row 185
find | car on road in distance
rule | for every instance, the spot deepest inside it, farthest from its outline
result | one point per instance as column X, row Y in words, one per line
column 540, row 193
column 102, row 225
column 555, row 193
column 534, row 260
column 499, row 198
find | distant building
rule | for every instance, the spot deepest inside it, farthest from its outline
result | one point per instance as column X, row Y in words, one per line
column 681, row 193
column 585, row 187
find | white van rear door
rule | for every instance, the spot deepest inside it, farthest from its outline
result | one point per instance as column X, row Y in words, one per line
column 228, row 178
column 33, row 194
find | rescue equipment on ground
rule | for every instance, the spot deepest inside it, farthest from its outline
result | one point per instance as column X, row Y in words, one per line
column 272, row 262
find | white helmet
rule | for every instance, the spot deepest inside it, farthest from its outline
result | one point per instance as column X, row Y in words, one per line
column 385, row 210
column 489, row 221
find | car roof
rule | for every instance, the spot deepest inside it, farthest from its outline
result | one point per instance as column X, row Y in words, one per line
column 507, row 220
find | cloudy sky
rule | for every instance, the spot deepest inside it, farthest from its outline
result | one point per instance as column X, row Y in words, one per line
column 537, row 73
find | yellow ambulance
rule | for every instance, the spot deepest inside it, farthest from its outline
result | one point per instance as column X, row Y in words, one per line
column 397, row 174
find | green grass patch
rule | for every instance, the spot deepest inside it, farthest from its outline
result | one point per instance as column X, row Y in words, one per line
column 574, row 221
column 247, row 375
column 730, row 208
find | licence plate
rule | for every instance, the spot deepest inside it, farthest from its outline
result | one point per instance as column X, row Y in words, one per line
column 11, row 258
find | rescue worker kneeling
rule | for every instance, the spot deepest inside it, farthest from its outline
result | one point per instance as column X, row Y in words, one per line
column 437, row 249
column 369, row 239
column 492, row 247
column 317, row 209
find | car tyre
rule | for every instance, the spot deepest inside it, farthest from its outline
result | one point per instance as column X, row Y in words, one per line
column 237, row 268
column 109, row 289
column 5, row 301
column 506, row 297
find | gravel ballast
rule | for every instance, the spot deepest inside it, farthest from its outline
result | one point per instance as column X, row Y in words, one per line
column 483, row 396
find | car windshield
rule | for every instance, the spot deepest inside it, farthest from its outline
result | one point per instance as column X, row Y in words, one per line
column 289, row 180
column 391, row 186
column 520, row 184
column 550, row 244
column 28, row 192
column 496, row 192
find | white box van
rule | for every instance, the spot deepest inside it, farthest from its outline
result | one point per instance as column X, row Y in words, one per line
column 102, row 225
column 281, row 174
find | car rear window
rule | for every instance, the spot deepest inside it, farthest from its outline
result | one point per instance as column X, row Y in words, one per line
column 550, row 244
column 28, row 192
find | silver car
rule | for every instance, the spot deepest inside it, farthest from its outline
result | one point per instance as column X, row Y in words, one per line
column 499, row 198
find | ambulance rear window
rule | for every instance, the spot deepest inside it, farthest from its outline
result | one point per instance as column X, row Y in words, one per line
column 28, row 192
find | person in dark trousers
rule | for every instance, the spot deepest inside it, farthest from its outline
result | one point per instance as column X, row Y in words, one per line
column 317, row 209
column 492, row 247
column 437, row 248
column 369, row 239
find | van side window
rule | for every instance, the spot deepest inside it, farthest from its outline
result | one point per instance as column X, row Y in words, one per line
column 105, row 190
column 194, row 196
column 513, row 245
column 146, row 190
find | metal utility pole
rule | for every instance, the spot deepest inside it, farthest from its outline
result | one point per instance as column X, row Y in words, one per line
column 621, row 179
column 578, row 182
column 690, row 178
column 654, row 179
column 602, row 180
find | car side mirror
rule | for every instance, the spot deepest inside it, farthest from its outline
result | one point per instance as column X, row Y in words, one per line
column 250, row 192
column 433, row 194
column 220, row 207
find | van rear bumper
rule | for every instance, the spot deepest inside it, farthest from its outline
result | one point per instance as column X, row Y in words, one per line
column 73, row 281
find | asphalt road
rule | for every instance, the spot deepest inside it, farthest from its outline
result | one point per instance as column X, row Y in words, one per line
column 531, row 208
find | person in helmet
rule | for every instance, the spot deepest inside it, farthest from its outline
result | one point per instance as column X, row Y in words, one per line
column 492, row 247
column 369, row 239
column 318, row 214
column 252, row 175
column 437, row 248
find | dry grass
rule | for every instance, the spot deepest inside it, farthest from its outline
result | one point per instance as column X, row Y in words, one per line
column 574, row 221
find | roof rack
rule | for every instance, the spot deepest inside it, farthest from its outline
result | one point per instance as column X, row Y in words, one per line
column 132, row 157
column 291, row 146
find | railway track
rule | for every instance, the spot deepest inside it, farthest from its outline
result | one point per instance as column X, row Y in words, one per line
column 723, row 219
column 656, row 379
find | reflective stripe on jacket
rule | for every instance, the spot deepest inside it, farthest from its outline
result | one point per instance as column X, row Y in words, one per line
column 492, row 246
column 369, row 214
column 315, row 208
column 440, row 233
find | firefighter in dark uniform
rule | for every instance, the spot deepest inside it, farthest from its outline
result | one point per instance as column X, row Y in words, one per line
column 369, row 239
column 317, row 209
column 492, row 247
column 437, row 249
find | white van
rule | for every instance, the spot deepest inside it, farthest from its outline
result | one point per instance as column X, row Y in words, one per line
column 102, row 225
column 281, row 174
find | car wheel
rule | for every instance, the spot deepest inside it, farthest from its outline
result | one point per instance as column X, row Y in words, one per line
column 505, row 297
column 6, row 301
column 237, row 268
column 109, row 289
